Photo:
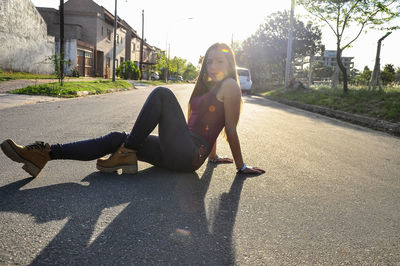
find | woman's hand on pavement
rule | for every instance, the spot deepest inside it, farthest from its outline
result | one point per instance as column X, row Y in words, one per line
column 220, row 160
column 252, row 171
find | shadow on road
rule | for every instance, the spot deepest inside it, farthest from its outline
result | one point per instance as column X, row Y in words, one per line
column 153, row 217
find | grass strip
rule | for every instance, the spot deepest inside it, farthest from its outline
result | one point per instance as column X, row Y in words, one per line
column 4, row 76
column 72, row 89
column 382, row 104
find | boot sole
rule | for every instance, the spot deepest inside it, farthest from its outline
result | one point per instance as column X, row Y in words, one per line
column 126, row 169
column 28, row 166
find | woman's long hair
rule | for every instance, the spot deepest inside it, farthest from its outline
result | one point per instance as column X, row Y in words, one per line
column 203, row 85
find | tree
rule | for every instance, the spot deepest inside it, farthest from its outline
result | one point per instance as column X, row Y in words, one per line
column 321, row 71
column 364, row 77
column 177, row 65
column 265, row 51
column 161, row 65
column 339, row 14
column 388, row 74
column 397, row 75
column 190, row 72
column 128, row 70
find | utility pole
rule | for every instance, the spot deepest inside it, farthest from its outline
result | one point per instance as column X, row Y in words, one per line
column 115, row 41
column 289, row 47
column 310, row 70
column 377, row 68
column 141, row 47
column 61, row 9
column 169, row 53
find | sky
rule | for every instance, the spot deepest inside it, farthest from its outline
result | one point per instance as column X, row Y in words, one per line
column 187, row 28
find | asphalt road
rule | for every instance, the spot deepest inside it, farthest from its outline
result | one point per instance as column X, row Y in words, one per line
column 330, row 194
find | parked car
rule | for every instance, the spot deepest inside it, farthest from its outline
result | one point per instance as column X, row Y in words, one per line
column 154, row 76
column 244, row 79
column 176, row 78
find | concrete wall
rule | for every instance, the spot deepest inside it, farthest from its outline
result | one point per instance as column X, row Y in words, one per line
column 70, row 53
column 24, row 43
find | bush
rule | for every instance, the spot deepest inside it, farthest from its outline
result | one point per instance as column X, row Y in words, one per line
column 128, row 70
column 1, row 71
column 74, row 73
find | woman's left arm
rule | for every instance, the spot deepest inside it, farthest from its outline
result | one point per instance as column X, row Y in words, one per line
column 232, row 95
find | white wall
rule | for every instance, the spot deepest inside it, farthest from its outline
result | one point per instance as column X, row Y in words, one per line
column 70, row 53
column 24, row 43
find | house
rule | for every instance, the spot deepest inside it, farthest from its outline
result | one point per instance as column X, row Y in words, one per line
column 24, row 43
column 132, row 50
column 329, row 59
column 89, row 35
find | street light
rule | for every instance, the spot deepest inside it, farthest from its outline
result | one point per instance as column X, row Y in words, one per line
column 61, row 9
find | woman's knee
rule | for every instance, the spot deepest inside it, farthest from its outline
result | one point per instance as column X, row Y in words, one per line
column 162, row 91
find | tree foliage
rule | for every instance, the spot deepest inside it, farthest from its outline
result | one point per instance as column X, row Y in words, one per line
column 265, row 51
column 128, row 70
column 362, row 78
column 174, row 66
column 190, row 72
column 340, row 14
column 321, row 71
column 397, row 75
column 56, row 62
column 388, row 74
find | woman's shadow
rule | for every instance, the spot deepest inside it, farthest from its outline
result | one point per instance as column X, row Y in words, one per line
column 154, row 217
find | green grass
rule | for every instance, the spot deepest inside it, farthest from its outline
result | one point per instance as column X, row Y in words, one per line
column 4, row 76
column 383, row 104
column 70, row 89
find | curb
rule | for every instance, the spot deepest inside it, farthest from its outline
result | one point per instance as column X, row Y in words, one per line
column 374, row 123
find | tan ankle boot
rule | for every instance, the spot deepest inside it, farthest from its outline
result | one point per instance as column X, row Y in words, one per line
column 124, row 159
column 33, row 156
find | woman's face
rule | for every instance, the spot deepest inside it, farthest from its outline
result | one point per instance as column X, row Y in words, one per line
column 217, row 65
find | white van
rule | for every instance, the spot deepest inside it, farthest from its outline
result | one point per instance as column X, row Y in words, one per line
column 244, row 79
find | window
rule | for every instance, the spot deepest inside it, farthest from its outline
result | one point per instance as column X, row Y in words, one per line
column 117, row 38
column 109, row 34
column 108, row 62
column 102, row 31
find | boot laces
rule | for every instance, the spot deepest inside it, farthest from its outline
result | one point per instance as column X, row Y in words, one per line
column 36, row 145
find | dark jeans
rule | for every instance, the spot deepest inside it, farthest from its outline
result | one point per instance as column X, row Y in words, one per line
column 175, row 147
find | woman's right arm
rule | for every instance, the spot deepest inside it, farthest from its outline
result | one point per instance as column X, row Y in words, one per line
column 232, row 102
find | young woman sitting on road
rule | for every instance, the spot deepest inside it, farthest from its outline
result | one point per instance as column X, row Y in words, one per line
column 214, row 104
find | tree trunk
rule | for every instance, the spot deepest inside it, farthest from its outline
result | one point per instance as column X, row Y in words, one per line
column 342, row 68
